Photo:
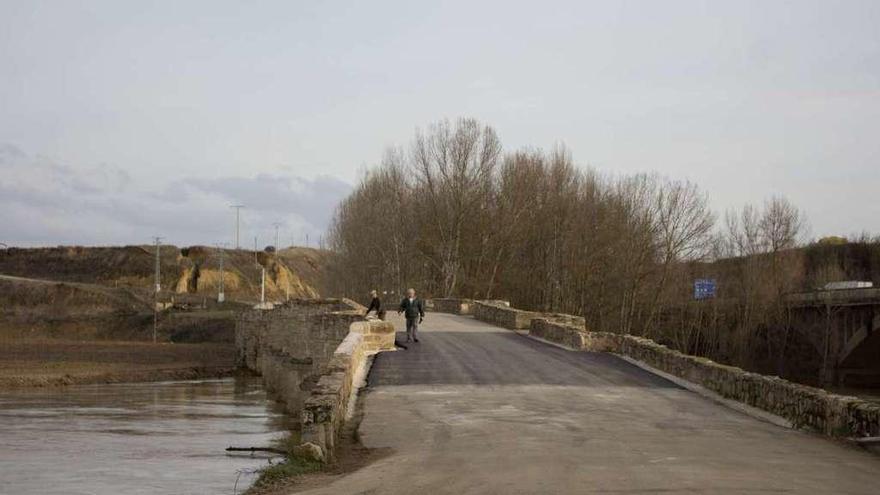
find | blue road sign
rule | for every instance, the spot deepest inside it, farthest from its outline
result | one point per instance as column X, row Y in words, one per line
column 704, row 288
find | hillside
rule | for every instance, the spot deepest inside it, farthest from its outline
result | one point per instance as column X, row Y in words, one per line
column 107, row 293
column 193, row 270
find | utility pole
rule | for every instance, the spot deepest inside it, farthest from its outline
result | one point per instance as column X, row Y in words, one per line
column 263, row 304
column 237, row 222
column 221, row 296
column 263, row 289
column 276, row 225
column 156, row 293
column 158, row 280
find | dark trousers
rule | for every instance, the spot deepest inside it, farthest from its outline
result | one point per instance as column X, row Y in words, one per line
column 412, row 328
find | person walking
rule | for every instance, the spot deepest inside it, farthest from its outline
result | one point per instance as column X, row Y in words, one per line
column 375, row 304
column 414, row 312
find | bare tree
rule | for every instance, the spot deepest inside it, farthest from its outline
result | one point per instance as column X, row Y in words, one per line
column 780, row 224
column 454, row 167
column 453, row 216
column 684, row 225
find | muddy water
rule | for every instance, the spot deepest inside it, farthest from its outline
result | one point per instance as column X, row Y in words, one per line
column 149, row 438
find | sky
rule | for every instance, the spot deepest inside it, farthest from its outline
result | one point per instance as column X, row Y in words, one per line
column 122, row 120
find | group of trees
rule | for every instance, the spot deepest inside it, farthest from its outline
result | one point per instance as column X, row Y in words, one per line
column 453, row 214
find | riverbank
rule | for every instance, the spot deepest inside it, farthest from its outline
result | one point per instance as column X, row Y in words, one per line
column 50, row 362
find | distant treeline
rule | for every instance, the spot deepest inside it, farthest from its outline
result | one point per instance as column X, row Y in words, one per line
column 453, row 214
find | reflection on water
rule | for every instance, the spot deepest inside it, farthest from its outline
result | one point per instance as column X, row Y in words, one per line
column 145, row 438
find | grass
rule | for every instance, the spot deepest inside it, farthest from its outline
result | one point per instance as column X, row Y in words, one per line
column 291, row 467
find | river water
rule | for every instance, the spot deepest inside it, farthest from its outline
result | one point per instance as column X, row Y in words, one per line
column 144, row 438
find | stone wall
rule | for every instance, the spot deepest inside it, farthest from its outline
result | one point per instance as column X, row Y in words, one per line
column 805, row 407
column 328, row 406
column 309, row 353
column 500, row 313
column 454, row 306
column 289, row 345
column 497, row 313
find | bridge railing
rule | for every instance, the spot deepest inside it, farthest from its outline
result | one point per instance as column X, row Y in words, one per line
column 803, row 406
column 313, row 354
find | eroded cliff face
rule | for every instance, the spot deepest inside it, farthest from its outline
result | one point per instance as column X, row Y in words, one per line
column 108, row 292
column 293, row 272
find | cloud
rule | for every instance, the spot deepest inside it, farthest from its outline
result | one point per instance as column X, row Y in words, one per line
column 49, row 203
column 312, row 199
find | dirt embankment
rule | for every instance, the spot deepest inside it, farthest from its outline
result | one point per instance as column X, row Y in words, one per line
column 46, row 362
column 86, row 315
column 190, row 270
column 108, row 293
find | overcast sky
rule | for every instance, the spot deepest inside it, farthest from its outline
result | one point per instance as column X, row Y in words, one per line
column 120, row 120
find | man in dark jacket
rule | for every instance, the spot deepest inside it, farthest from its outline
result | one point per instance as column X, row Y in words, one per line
column 414, row 312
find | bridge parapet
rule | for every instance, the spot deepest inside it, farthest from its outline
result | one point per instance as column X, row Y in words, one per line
column 497, row 313
column 502, row 314
column 574, row 336
column 839, row 297
column 312, row 354
column 805, row 407
column 452, row 305
column 331, row 401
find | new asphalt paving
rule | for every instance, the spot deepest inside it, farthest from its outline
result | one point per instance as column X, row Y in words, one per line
column 476, row 409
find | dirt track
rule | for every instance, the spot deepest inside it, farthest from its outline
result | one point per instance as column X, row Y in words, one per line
column 29, row 363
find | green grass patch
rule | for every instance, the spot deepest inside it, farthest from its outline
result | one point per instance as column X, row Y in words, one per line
column 291, row 467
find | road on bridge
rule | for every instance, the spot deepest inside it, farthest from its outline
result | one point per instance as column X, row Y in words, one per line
column 476, row 409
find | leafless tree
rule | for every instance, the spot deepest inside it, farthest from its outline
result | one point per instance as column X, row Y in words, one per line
column 453, row 215
column 453, row 166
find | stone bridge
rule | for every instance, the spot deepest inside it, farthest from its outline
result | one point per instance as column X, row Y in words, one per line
column 493, row 400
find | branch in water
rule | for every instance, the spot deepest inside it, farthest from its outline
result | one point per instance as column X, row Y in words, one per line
column 255, row 449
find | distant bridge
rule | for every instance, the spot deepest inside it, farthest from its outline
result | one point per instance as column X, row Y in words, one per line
column 842, row 325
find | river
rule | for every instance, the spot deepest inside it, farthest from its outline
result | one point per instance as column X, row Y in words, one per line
column 143, row 438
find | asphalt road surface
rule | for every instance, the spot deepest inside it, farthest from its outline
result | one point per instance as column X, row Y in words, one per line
column 475, row 409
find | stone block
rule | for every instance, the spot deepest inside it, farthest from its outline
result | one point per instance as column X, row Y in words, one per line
column 454, row 306
column 309, row 451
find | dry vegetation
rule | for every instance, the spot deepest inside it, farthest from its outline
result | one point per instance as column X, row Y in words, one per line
column 454, row 215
